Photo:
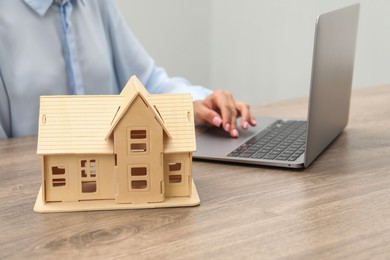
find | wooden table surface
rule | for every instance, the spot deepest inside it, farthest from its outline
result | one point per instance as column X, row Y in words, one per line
column 337, row 208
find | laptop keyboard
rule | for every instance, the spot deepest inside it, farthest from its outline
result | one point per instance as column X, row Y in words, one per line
column 282, row 141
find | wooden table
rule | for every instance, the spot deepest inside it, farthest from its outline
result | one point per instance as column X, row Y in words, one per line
column 337, row 208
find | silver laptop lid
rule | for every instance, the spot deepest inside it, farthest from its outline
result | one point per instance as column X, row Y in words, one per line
column 331, row 78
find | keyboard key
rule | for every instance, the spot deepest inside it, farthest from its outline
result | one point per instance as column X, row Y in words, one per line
column 258, row 155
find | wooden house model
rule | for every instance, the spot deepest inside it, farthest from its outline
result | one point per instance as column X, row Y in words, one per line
column 132, row 150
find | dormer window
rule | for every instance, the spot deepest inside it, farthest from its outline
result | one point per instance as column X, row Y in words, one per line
column 138, row 140
column 138, row 134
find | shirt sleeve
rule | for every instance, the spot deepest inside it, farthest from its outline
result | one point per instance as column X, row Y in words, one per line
column 130, row 58
column 3, row 135
column 5, row 124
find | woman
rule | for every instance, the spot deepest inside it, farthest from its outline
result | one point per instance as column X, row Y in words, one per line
column 59, row 47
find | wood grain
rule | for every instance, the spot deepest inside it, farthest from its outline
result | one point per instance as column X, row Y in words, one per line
column 337, row 208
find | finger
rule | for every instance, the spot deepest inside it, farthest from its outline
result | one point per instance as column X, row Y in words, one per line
column 233, row 115
column 225, row 103
column 247, row 117
column 204, row 114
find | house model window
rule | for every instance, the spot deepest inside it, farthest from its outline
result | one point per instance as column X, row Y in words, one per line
column 88, row 171
column 138, row 140
column 175, row 172
column 58, row 176
column 138, row 177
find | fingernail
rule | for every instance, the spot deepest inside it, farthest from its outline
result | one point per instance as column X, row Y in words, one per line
column 234, row 133
column 254, row 122
column 227, row 127
column 217, row 121
column 246, row 125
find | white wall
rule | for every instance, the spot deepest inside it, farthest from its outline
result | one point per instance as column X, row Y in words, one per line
column 175, row 32
column 259, row 49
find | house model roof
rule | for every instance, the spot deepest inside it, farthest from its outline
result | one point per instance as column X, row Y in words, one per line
column 84, row 124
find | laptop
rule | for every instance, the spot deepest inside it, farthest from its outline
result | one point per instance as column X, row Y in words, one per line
column 297, row 143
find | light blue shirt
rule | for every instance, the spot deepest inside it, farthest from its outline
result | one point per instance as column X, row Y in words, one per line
column 80, row 47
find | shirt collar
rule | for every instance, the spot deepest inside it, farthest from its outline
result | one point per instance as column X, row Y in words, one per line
column 41, row 6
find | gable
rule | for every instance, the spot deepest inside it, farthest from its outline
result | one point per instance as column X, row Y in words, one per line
column 138, row 115
column 131, row 91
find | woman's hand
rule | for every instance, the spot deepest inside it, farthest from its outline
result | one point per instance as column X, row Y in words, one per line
column 220, row 109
